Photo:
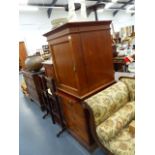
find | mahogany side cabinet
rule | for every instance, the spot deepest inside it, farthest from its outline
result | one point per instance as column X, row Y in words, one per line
column 82, row 60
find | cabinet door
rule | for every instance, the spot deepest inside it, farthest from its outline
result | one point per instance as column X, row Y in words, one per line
column 64, row 64
column 97, row 57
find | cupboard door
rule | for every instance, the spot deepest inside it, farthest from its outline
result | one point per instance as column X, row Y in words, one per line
column 64, row 64
column 97, row 57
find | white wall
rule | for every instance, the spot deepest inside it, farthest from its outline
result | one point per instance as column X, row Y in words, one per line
column 121, row 19
column 33, row 25
column 60, row 13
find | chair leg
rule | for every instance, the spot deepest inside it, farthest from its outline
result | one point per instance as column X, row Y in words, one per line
column 52, row 117
column 45, row 115
column 60, row 132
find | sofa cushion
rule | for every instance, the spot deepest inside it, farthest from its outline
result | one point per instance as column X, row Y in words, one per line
column 130, row 82
column 122, row 144
column 116, row 122
column 106, row 102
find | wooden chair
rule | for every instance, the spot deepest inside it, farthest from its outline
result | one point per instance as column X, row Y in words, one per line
column 46, row 99
column 52, row 102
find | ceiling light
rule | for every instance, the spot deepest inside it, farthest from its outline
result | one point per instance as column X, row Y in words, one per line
column 100, row 10
column 128, row 9
column 108, row 5
column 77, row 1
column 54, row 7
column 23, row 1
column 28, row 8
column 114, row 1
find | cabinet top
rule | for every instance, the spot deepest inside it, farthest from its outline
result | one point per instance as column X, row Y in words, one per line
column 77, row 24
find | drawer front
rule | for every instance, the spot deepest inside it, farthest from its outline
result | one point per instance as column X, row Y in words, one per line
column 75, row 119
column 74, row 112
column 74, row 108
column 74, row 116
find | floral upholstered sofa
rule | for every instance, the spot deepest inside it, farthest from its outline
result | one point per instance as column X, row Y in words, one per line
column 112, row 112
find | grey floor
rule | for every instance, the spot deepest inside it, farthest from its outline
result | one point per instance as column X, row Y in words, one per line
column 37, row 136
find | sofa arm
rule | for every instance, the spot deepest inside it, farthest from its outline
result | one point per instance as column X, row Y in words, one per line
column 116, row 122
column 106, row 102
column 130, row 83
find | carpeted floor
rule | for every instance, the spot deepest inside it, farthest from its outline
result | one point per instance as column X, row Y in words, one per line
column 38, row 136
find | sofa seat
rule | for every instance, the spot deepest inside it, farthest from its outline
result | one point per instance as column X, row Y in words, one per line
column 122, row 144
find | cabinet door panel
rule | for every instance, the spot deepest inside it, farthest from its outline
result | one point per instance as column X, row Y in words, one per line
column 98, row 57
column 65, row 66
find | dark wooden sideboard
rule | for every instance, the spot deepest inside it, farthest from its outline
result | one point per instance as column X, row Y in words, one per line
column 82, row 60
column 34, row 86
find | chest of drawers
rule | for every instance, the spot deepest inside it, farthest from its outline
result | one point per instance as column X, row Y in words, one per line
column 34, row 86
column 76, row 120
